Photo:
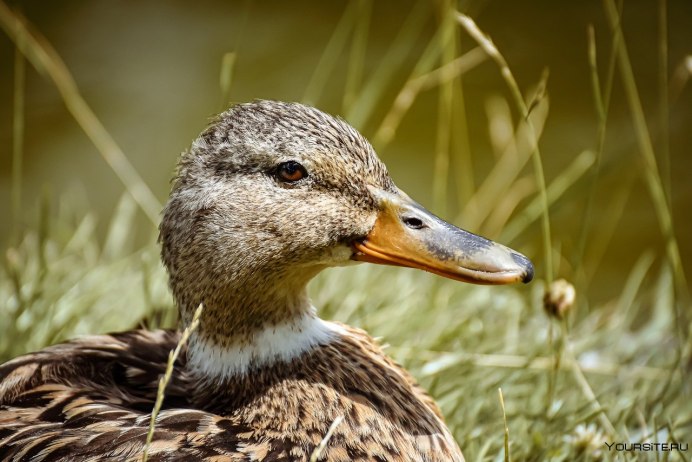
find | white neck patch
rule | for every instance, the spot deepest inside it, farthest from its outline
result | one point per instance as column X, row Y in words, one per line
column 279, row 343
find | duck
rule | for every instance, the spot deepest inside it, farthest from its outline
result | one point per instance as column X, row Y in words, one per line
column 268, row 196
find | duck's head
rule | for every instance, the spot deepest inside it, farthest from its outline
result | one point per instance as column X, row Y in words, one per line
column 272, row 193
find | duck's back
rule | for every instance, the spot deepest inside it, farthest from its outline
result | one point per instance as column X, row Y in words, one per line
column 91, row 399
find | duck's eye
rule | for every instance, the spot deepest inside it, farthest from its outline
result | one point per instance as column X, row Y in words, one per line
column 291, row 171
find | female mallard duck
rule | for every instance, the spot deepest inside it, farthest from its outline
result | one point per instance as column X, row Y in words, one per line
column 267, row 197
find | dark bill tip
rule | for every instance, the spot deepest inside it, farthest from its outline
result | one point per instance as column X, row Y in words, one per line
column 526, row 264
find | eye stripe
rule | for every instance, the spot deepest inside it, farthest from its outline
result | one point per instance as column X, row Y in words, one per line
column 291, row 171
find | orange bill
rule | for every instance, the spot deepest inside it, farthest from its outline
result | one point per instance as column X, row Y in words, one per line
column 406, row 234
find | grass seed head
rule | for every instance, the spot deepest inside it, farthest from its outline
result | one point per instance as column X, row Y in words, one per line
column 559, row 298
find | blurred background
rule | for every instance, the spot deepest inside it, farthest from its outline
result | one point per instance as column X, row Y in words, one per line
column 151, row 70
column 614, row 145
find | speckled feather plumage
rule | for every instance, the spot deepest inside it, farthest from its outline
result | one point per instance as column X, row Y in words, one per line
column 245, row 245
column 91, row 399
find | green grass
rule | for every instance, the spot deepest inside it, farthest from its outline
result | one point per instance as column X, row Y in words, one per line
column 616, row 371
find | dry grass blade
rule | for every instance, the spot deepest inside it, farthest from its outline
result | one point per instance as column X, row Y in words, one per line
column 45, row 59
column 595, row 81
column 512, row 149
column 579, row 166
column 601, row 98
column 331, row 53
column 446, row 361
column 226, row 77
column 323, row 444
column 587, row 391
column 504, row 420
column 403, row 101
column 377, row 83
column 356, row 59
column 445, row 109
column 472, row 29
column 437, row 44
column 18, row 132
column 163, row 383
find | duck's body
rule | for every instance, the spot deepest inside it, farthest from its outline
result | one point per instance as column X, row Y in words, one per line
column 92, row 400
column 268, row 196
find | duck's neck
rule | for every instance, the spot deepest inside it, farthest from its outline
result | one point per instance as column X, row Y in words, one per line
column 247, row 334
column 273, row 344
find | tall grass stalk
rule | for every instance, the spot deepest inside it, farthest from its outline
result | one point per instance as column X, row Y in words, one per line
column 600, row 241
column 461, row 142
column 589, row 394
column 506, row 427
column 18, row 118
column 356, row 57
column 472, row 29
column 601, row 98
column 512, row 148
column 46, row 60
column 413, row 86
column 377, row 83
column 557, row 188
column 332, row 52
column 163, row 382
column 651, row 171
column 663, row 91
column 424, row 64
column 444, row 112
column 226, row 77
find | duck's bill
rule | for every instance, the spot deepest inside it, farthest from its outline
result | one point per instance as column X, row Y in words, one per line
column 406, row 234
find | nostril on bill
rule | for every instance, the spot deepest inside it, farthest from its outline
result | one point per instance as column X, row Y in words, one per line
column 413, row 222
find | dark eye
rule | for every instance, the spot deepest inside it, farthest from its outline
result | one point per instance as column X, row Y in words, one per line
column 291, row 171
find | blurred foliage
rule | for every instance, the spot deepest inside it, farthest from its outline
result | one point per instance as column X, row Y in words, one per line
column 61, row 281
